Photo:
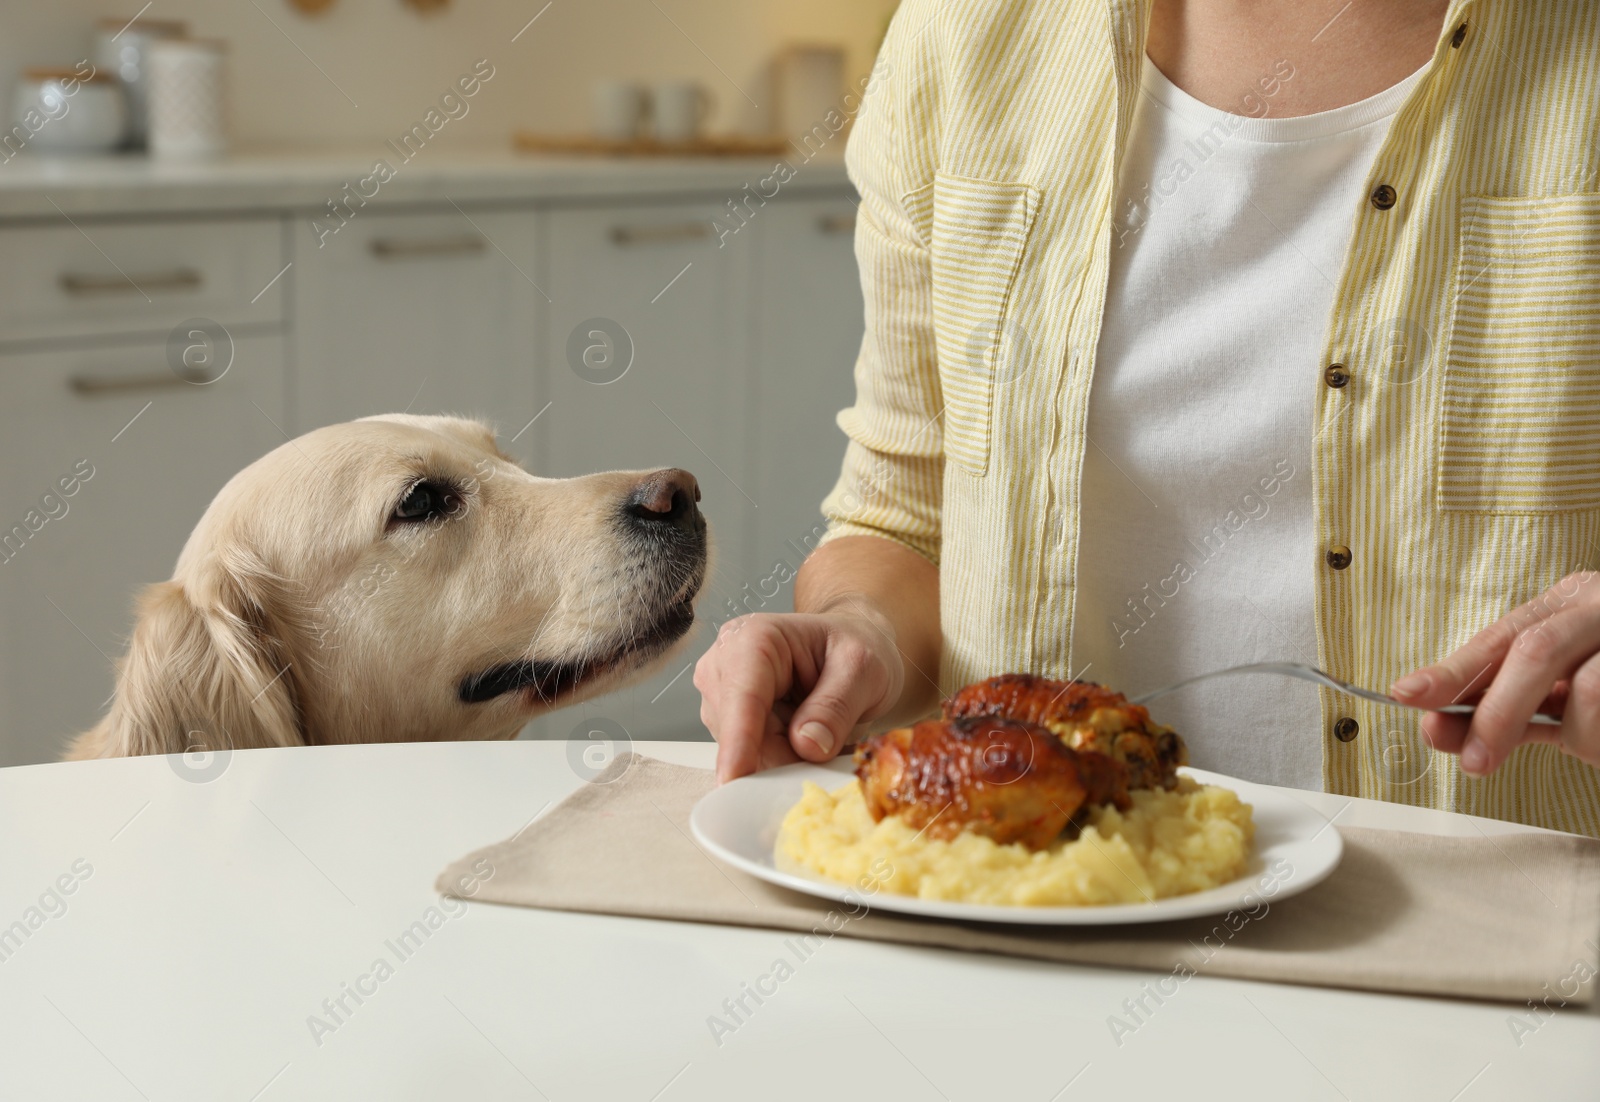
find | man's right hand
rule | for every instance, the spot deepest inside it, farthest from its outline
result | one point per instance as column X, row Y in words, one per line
column 777, row 688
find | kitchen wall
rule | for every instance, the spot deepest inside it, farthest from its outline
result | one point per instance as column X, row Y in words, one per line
column 365, row 70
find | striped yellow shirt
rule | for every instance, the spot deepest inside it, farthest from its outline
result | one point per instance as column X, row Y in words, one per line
column 1460, row 464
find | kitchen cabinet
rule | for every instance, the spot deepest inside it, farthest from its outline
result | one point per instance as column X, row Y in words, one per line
column 599, row 332
column 808, row 326
column 742, row 353
column 654, row 301
column 155, row 450
column 99, row 279
column 429, row 312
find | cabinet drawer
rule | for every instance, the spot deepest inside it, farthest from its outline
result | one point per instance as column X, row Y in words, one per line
column 120, row 278
column 425, row 312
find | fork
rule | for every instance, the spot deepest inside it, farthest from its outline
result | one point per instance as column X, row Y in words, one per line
column 1318, row 677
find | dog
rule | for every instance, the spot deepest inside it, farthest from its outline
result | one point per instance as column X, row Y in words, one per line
column 399, row 578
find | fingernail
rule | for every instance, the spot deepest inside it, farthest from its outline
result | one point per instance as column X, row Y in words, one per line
column 1475, row 759
column 818, row 735
column 1412, row 684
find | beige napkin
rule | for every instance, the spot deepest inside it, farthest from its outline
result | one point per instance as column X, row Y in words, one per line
column 1514, row 917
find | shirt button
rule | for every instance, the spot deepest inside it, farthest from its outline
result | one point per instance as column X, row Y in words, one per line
column 1339, row 557
column 1345, row 729
column 1459, row 37
column 1337, row 376
column 1383, row 196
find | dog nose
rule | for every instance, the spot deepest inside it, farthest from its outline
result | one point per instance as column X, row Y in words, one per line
column 666, row 497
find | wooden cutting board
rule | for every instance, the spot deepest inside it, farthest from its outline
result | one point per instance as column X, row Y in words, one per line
column 587, row 145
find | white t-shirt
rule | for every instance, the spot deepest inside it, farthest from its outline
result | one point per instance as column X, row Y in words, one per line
column 1197, row 549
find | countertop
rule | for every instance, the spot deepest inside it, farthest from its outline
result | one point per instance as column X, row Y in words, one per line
column 220, row 906
column 38, row 187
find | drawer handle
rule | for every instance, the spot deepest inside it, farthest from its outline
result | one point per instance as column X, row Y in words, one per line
column 391, row 248
column 115, row 384
column 655, row 235
column 177, row 279
column 837, row 223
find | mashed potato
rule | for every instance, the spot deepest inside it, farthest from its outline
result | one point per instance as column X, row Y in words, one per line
column 1167, row 843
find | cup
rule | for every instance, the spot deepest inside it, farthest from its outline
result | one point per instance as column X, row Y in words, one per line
column 679, row 110
column 619, row 108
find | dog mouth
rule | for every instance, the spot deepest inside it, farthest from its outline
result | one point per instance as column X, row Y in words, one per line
column 548, row 682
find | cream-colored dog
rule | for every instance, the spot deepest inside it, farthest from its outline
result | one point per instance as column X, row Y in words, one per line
column 400, row 578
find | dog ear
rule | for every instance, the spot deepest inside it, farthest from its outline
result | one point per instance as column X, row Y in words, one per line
column 203, row 670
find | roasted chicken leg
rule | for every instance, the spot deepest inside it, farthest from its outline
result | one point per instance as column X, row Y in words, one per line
column 1007, row 780
column 1086, row 716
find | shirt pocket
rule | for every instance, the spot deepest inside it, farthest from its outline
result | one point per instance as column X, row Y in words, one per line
column 1520, row 427
column 979, row 229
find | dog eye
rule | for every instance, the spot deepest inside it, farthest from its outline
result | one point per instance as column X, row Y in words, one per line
column 426, row 500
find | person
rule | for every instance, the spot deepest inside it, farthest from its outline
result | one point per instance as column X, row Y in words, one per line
column 1206, row 332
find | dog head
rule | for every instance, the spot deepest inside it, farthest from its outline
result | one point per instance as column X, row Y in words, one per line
column 400, row 578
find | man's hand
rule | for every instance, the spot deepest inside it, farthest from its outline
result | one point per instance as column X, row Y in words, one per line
column 863, row 645
column 1541, row 657
column 776, row 689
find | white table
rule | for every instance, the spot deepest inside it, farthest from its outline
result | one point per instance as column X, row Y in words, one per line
column 218, row 916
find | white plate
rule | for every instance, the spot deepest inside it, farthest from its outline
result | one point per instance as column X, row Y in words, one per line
column 738, row 823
